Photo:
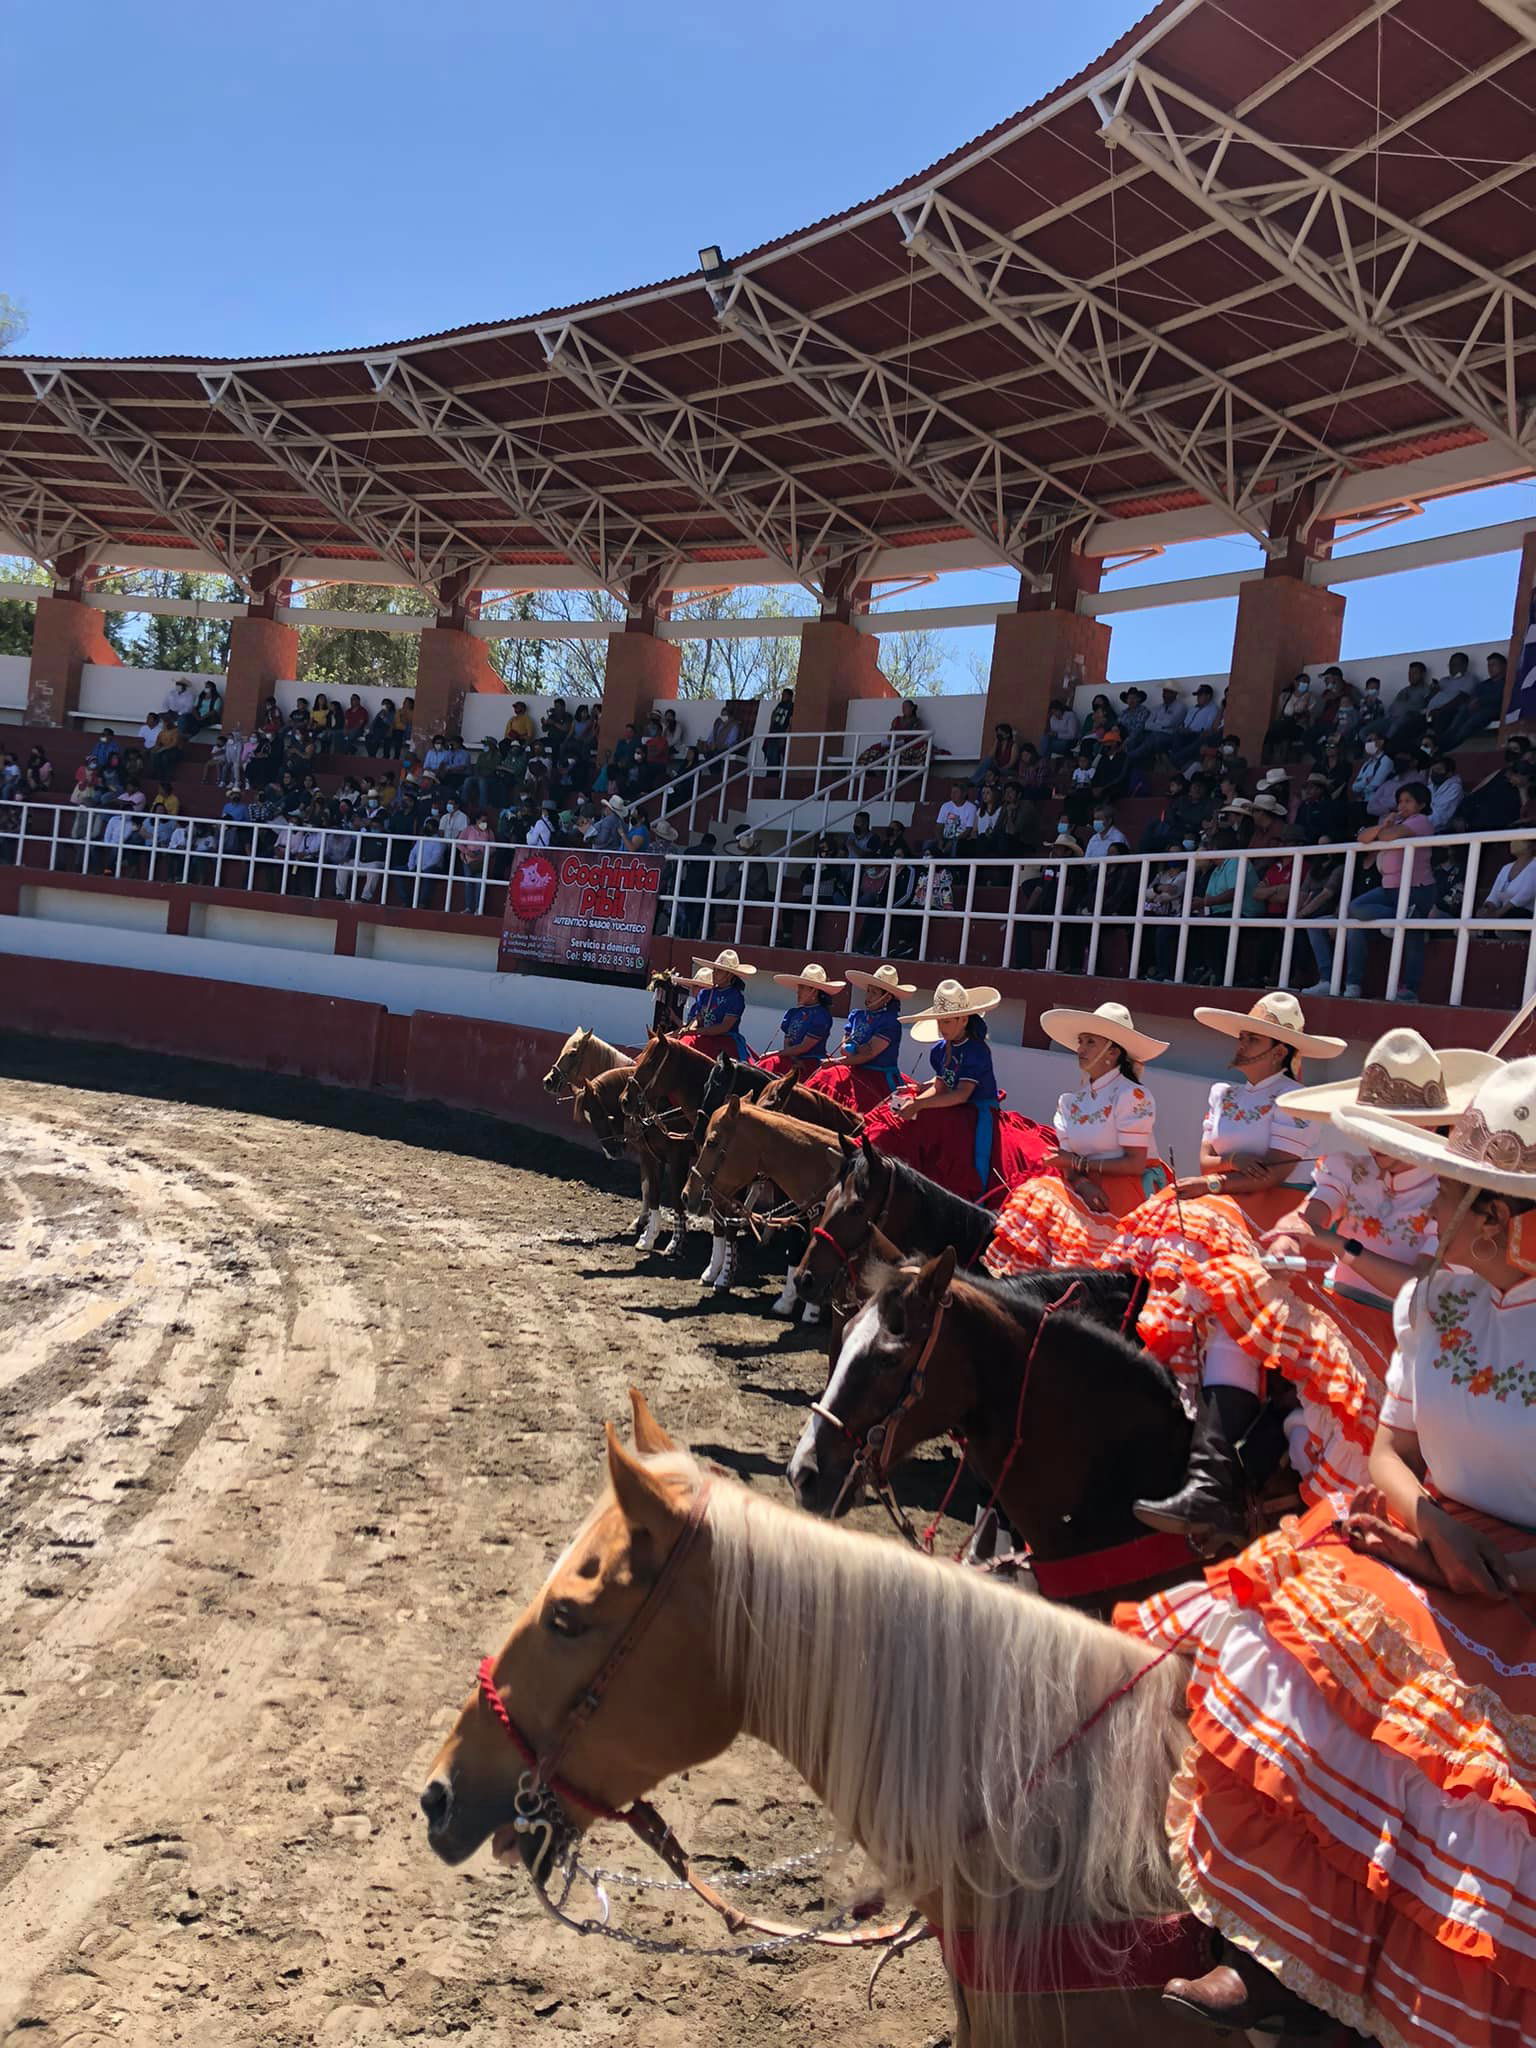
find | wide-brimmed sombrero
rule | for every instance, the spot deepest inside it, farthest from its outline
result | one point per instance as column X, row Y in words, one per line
column 951, row 999
column 812, row 975
column 884, row 980
column 704, row 971
column 1110, row 1020
column 1405, row 1079
column 1492, row 1144
column 1278, row 1016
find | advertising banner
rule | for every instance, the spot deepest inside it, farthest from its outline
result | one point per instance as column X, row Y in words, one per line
column 567, row 908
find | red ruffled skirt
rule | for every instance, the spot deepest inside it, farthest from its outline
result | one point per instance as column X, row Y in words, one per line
column 781, row 1063
column 942, row 1144
column 1357, row 1807
column 857, row 1088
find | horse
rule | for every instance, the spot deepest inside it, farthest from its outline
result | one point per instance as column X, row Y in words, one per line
column 1065, row 1420
column 744, row 1145
column 780, row 1092
column 877, row 1193
column 664, row 1090
column 663, row 1162
column 1004, row 1763
column 582, row 1058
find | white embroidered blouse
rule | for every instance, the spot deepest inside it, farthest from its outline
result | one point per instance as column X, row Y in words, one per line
column 1463, row 1378
column 1112, row 1114
column 1390, row 1214
column 1242, row 1122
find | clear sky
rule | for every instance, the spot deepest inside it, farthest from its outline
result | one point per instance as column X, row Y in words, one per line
column 233, row 181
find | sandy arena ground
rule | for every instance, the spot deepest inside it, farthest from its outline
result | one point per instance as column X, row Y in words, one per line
column 299, row 1395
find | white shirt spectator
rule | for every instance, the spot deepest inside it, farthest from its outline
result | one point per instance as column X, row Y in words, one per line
column 454, row 822
column 180, row 699
column 1064, row 725
column 1450, row 689
column 1204, row 718
column 956, row 819
column 426, row 856
column 1444, row 802
column 1102, row 844
column 115, row 830
column 539, row 833
column 147, row 733
column 1513, row 891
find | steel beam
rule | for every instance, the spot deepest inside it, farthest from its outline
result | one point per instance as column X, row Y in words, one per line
column 46, row 524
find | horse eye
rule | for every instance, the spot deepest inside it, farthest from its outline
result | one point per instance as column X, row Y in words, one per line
column 561, row 1619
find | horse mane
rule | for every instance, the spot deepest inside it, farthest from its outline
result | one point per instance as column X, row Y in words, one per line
column 1024, row 1297
column 965, row 1225
column 785, row 1126
column 596, row 1049
column 947, row 1722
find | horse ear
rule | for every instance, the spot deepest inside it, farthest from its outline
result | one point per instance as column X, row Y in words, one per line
column 732, row 1109
column 850, row 1150
column 644, row 1500
column 727, row 1062
column 870, row 1154
column 650, row 1438
column 933, row 1281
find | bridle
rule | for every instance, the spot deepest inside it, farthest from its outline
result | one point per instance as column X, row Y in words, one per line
column 875, row 1448
column 848, row 1254
column 543, row 1794
column 565, row 1088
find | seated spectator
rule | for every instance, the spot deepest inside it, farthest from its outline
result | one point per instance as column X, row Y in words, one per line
column 1407, row 716
column 655, row 755
column 519, row 727
column 637, row 833
column 1484, row 707
column 999, row 763
column 1373, row 712
column 180, row 703
column 104, row 748
column 988, row 806
column 607, row 834
column 10, row 775
column 957, row 821
column 1160, row 729
column 37, row 776
column 354, row 724
column 1376, row 770
column 1033, row 776
column 1292, row 718
column 1106, row 837
column 1133, row 715
column 556, row 723
column 1018, row 821
column 905, row 721
column 405, row 723
column 149, row 731
column 1063, row 730
column 1513, row 893
column 1202, row 724
column 1409, row 820
column 693, row 886
column 1445, row 793
column 379, row 739
column 1111, row 768
column 725, row 733
column 1320, row 816
column 584, row 728
column 1451, row 696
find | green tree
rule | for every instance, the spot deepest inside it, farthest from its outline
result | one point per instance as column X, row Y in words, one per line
column 352, row 658
column 170, row 640
column 18, row 616
column 914, row 664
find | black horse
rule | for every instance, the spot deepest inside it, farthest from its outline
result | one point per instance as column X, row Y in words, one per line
column 887, row 1197
column 1065, row 1420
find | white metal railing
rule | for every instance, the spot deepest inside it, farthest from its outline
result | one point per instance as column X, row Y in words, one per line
column 1055, row 913
column 885, row 769
column 702, row 791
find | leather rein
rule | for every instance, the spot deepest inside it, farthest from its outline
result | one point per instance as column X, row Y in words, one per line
column 875, row 1448
column 543, row 1794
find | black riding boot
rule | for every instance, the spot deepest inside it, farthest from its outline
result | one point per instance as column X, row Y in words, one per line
column 1210, row 1506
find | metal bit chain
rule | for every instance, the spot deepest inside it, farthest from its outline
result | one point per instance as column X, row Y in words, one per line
column 660, row 1945
column 726, row 1881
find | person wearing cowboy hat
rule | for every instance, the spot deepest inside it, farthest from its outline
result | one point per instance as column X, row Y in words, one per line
column 805, row 1028
column 1368, row 1211
column 1355, row 1809
column 868, row 1062
column 1105, row 1126
column 951, row 1128
column 712, row 1021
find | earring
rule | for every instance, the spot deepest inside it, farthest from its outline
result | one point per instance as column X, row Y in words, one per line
column 1485, row 1243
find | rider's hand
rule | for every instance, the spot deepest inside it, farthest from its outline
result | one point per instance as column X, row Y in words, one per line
column 1091, row 1195
column 906, row 1106
column 1472, row 1563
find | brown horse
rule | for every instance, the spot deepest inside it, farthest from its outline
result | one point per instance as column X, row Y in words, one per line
column 746, row 1145
column 1004, row 1763
column 582, row 1058
column 880, row 1197
column 1064, row 1420
column 665, row 1088
column 662, row 1161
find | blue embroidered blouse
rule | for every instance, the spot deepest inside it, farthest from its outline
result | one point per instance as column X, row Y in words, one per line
column 863, row 1027
column 807, row 1020
column 968, row 1059
column 720, row 1006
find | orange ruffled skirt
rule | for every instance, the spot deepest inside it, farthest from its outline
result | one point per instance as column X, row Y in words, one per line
column 1357, row 1807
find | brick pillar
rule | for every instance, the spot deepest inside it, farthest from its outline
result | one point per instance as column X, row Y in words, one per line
column 68, row 634
column 451, row 664
column 640, row 669
column 1283, row 625
column 1047, row 648
column 838, row 664
column 262, row 651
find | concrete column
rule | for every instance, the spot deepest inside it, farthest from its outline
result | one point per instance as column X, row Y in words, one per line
column 640, row 670
column 451, row 664
column 1283, row 625
column 68, row 634
column 1047, row 648
column 1525, row 615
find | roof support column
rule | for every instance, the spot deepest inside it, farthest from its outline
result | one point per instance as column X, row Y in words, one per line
column 262, row 651
column 1284, row 623
column 68, row 634
column 451, row 664
column 839, row 666
column 1517, row 709
column 1047, row 648
column 641, row 670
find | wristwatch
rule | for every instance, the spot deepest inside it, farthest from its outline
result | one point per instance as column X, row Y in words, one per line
column 1213, row 1183
column 1353, row 1246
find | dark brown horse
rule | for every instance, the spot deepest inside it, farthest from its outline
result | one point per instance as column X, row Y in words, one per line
column 887, row 1196
column 663, row 1161
column 662, row 1100
column 1063, row 1419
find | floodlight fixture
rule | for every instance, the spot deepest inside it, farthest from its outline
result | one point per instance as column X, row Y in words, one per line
column 712, row 261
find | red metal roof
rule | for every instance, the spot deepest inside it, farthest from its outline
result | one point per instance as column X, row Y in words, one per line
column 1251, row 248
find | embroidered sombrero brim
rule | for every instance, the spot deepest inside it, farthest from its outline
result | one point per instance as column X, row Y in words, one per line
column 1433, row 1149
column 925, row 1023
column 1066, row 1027
column 827, row 988
column 1462, row 1069
column 1311, row 1045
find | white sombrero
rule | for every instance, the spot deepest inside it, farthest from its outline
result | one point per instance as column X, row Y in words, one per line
column 704, row 971
column 813, row 975
column 1278, row 1016
column 1110, row 1020
column 951, row 999
column 1404, row 1079
column 665, row 832
column 885, row 980
column 1492, row 1144
column 617, row 805
column 1270, row 805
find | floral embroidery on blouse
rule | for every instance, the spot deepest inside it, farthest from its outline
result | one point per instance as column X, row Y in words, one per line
column 1516, row 1381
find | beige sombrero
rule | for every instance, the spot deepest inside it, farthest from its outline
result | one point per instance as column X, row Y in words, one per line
column 812, row 975
column 1110, row 1020
column 1404, row 1079
column 617, row 805
column 665, row 832
column 1278, row 1016
column 885, row 979
column 704, row 971
column 1492, row 1144
column 950, row 999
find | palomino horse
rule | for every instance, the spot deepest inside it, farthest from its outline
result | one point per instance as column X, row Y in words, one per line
column 663, row 1162
column 887, row 1196
column 665, row 1089
column 1065, row 1421
column 1003, row 1762
column 582, row 1058
column 744, row 1146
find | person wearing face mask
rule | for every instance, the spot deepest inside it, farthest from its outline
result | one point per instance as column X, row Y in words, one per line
column 1106, row 837
column 1374, row 772
column 1105, row 1125
column 1445, row 793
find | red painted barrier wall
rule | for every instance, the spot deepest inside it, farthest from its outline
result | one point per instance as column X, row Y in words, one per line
column 473, row 1063
column 279, row 1031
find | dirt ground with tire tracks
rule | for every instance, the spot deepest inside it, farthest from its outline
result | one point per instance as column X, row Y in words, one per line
column 300, row 1393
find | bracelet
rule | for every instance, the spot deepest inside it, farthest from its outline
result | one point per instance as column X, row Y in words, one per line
column 1353, row 1246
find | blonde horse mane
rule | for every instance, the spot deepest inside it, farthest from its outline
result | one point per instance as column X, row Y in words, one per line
column 927, row 1705
column 597, row 1055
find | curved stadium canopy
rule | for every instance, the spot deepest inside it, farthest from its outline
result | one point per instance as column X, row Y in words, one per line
column 1255, row 247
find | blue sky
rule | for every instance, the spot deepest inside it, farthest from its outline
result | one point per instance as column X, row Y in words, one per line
column 219, row 181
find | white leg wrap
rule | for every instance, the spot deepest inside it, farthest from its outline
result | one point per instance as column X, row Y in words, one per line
column 1226, row 1365
column 647, row 1239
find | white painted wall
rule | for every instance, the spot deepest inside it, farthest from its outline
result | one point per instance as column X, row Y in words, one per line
column 123, row 697
column 955, row 722
column 1391, row 668
column 14, row 669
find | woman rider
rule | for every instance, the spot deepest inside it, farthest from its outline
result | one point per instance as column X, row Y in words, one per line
column 805, row 1028
column 1357, row 1811
column 868, row 1063
column 712, row 1021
